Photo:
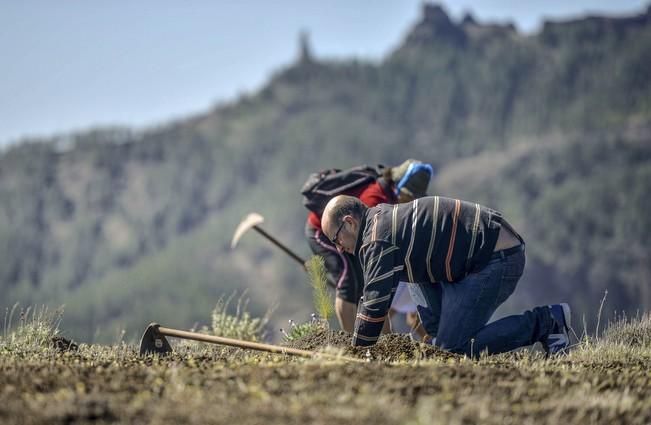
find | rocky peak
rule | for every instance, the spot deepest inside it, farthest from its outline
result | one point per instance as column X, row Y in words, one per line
column 435, row 26
column 592, row 28
column 435, row 14
column 468, row 19
column 304, row 49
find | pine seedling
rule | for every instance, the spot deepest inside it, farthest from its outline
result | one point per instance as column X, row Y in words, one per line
column 322, row 301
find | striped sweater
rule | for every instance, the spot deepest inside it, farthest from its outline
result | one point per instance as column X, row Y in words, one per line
column 431, row 239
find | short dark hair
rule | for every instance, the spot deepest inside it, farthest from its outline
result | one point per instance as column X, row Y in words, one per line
column 348, row 206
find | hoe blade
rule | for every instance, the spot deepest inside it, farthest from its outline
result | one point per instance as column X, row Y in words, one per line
column 249, row 221
column 153, row 341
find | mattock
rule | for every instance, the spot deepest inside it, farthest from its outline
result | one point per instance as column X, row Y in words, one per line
column 253, row 221
column 153, row 341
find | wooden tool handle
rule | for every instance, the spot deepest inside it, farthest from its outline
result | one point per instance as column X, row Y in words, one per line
column 280, row 245
column 251, row 345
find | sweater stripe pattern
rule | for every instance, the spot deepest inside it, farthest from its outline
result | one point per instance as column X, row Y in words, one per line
column 431, row 239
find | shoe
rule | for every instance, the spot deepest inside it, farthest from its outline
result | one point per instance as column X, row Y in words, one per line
column 558, row 339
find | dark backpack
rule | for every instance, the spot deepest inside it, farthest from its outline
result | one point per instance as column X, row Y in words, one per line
column 322, row 186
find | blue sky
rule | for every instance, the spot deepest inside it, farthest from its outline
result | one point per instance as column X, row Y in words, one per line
column 70, row 65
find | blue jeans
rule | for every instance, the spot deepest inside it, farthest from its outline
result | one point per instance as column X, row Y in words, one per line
column 457, row 313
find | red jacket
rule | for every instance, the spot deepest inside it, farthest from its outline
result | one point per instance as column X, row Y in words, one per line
column 371, row 195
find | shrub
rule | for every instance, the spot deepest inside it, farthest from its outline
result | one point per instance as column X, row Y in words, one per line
column 239, row 325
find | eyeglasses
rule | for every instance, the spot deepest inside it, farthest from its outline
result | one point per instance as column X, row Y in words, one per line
column 336, row 236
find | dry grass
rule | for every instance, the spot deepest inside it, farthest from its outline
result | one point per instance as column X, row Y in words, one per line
column 236, row 321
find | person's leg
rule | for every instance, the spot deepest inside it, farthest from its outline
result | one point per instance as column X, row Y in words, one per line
column 468, row 305
column 403, row 303
column 345, row 312
column 511, row 332
column 415, row 325
column 350, row 290
column 333, row 259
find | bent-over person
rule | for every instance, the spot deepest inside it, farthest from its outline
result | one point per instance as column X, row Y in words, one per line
column 461, row 260
column 401, row 183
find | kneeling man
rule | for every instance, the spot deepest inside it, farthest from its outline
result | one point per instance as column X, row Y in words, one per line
column 461, row 260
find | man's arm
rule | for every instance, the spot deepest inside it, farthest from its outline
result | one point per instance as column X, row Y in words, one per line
column 381, row 277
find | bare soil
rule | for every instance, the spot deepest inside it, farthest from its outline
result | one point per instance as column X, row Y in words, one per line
column 390, row 347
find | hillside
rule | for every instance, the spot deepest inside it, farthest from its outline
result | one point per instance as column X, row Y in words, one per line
column 553, row 128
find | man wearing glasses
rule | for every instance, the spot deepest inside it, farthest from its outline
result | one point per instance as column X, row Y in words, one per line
column 401, row 183
column 461, row 260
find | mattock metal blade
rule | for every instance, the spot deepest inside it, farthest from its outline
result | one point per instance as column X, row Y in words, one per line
column 250, row 221
column 153, row 341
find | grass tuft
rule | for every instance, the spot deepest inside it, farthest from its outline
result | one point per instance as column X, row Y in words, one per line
column 634, row 332
column 239, row 324
column 35, row 330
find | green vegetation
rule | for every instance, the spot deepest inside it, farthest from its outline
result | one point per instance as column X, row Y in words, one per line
column 238, row 325
column 35, row 330
column 296, row 331
column 553, row 128
column 323, row 302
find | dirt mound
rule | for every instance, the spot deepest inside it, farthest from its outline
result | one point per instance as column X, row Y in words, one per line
column 391, row 347
column 63, row 344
